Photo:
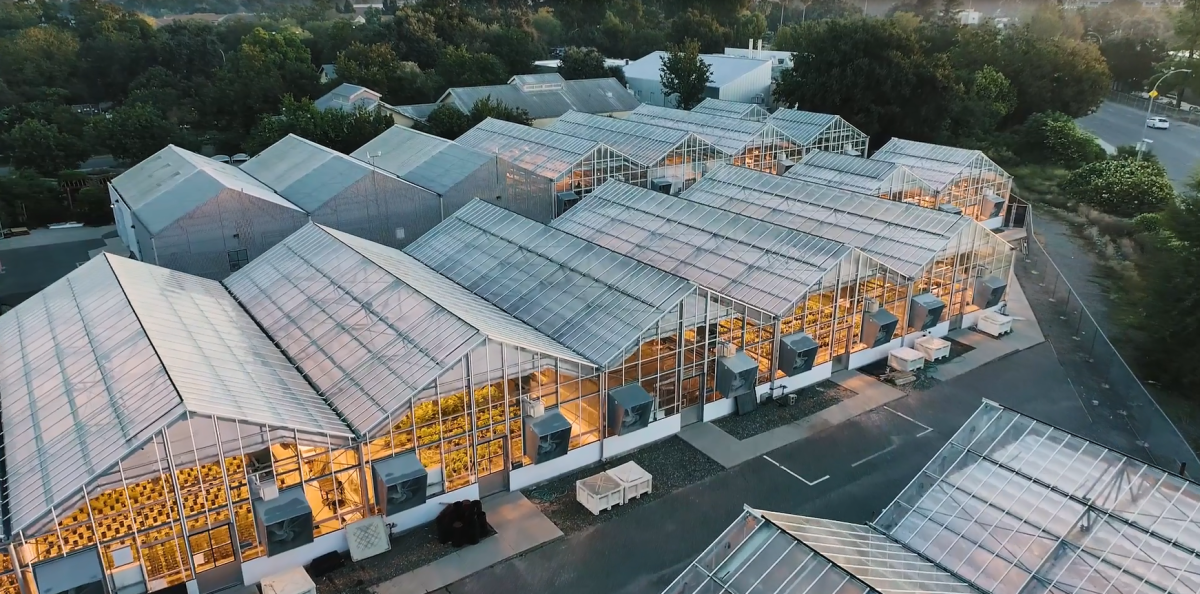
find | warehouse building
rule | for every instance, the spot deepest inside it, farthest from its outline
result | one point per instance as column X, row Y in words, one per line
column 787, row 301
column 455, row 173
column 732, row 78
column 563, row 167
column 189, row 213
column 965, row 181
column 732, row 109
column 864, row 176
column 755, row 145
column 1009, row 504
column 673, row 159
column 345, row 193
column 958, row 261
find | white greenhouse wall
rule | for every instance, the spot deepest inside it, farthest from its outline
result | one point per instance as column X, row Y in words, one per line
column 718, row 409
column 383, row 209
column 615, row 446
column 528, row 194
column 866, row 356
column 538, row 473
column 744, row 89
column 125, row 222
column 817, row 374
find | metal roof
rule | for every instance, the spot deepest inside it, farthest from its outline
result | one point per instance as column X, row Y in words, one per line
column 902, row 236
column 848, row 172
column 723, row 69
column 594, row 301
column 546, row 153
column 306, row 173
column 417, row 113
column 1012, row 504
column 594, row 95
column 369, row 325
column 433, row 163
column 803, row 127
column 117, row 350
column 644, row 144
column 173, row 182
column 937, row 165
column 731, row 135
column 348, row 97
column 763, row 265
column 732, row 109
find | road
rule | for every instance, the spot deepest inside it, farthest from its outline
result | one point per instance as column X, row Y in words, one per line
column 1178, row 148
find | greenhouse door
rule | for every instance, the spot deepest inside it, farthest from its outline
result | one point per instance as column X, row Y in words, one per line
column 217, row 564
column 492, row 457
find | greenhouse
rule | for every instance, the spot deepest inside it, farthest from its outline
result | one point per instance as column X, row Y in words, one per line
column 563, row 167
column 674, row 159
column 345, row 193
column 965, row 181
column 820, row 132
column 864, row 176
column 924, row 251
column 621, row 314
column 732, row 109
column 141, row 408
column 755, row 145
column 1009, row 505
column 763, row 288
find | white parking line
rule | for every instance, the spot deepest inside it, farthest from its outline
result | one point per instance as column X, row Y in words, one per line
column 784, row 468
column 875, row 455
column 927, row 427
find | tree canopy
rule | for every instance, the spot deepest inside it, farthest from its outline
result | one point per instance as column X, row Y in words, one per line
column 685, row 75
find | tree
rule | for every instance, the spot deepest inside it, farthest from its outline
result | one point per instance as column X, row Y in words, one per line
column 450, row 122
column 685, row 75
column 342, row 131
column 517, row 48
column 37, row 58
column 116, row 52
column 749, row 25
column 582, row 62
column 30, row 200
column 348, row 7
column 461, row 68
column 42, row 147
column 700, row 27
column 1121, row 187
column 987, row 99
column 549, row 29
column 132, row 132
column 1055, row 138
column 1187, row 30
column 256, row 77
column 92, row 207
column 415, row 33
column 1132, row 61
column 874, row 74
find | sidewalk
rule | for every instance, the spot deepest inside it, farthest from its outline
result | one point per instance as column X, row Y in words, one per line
column 520, row 527
column 1026, row 333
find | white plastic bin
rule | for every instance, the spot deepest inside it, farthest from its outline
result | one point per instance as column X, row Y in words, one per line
column 633, row 479
column 598, row 492
column 905, row 359
column 933, row 347
column 994, row 324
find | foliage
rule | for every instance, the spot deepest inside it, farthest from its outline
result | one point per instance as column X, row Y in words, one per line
column 133, row 132
column 265, row 68
column 42, row 147
column 377, row 67
column 1053, row 137
column 92, row 206
column 582, row 62
column 459, row 67
column 700, row 27
column 1120, row 187
column 1149, row 222
column 342, row 131
column 29, row 200
column 549, row 29
column 987, row 98
column 1133, row 61
column 1129, row 151
column 38, row 58
column 517, row 48
column 684, row 75
column 450, row 122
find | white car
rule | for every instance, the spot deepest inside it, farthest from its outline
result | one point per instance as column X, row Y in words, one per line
column 1158, row 122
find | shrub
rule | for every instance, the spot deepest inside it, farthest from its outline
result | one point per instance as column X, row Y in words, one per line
column 1129, row 151
column 1148, row 222
column 1120, row 187
column 1055, row 138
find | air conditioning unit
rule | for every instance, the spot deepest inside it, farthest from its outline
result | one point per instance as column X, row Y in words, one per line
column 989, row 291
column 285, row 522
column 263, row 486
column 994, row 324
column 400, row 483
column 662, row 186
column 547, row 437
column 906, row 359
column 797, row 352
column 783, row 166
column 950, row 208
column 532, row 407
column 629, row 408
column 726, row 349
column 993, row 204
column 878, row 328
column 736, row 377
column 925, row 312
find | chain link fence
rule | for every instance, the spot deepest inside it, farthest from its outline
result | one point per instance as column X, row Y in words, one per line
column 1098, row 373
column 1167, row 110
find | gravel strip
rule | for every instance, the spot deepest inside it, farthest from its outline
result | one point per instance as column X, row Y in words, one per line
column 769, row 415
column 410, row 550
column 672, row 463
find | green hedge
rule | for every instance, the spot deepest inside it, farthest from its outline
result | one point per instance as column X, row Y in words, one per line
column 1053, row 137
column 1120, row 187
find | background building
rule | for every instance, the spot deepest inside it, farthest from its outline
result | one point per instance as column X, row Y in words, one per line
column 348, row 97
column 732, row 109
column 746, row 80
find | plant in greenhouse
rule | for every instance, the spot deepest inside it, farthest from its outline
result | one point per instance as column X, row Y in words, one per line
column 428, row 434
column 455, row 404
column 458, row 463
column 1120, row 187
column 426, row 412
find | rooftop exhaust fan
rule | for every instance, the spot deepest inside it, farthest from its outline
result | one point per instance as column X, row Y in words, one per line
column 402, row 480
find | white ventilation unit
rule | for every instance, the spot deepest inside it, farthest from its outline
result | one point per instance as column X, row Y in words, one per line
column 264, row 486
column 726, row 349
column 870, row 305
column 994, row 324
column 906, row 359
column 532, row 407
column 368, row 537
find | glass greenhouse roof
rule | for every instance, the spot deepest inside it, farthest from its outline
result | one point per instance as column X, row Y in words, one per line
column 732, row 109
column 594, row 301
column 645, row 144
column 369, row 325
column 731, row 135
column 763, row 265
column 99, row 361
column 1015, row 505
column 802, row 127
column 937, row 165
column 846, row 171
column 546, row 153
column 902, row 236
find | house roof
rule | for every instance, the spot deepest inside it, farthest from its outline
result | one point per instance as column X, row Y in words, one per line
column 758, row 263
column 433, row 163
column 417, row 113
column 645, row 144
column 173, row 182
column 722, row 69
column 306, row 173
column 348, row 97
column 732, row 109
column 117, row 350
column 595, row 301
column 549, row 96
column 369, row 325
column 544, row 152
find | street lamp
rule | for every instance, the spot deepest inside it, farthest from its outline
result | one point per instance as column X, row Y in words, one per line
column 1150, row 105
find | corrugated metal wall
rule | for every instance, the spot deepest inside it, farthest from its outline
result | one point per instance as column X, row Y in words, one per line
column 528, row 194
column 485, row 182
column 200, row 243
column 124, row 221
column 382, row 209
column 746, row 87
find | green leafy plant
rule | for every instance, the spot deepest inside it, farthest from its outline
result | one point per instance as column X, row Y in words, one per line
column 1054, row 137
column 1120, row 187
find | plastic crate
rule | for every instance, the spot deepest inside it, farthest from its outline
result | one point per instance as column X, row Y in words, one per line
column 634, row 481
column 599, row 492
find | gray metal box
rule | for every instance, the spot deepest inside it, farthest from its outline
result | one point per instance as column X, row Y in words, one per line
column 629, row 408
column 78, row 573
column 989, row 291
column 661, row 185
column 925, row 312
column 400, row 483
column 547, row 437
column 950, row 208
column 797, row 352
column 993, row 205
column 878, row 327
column 736, row 377
column 285, row 522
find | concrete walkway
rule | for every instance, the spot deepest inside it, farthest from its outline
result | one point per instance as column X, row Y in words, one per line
column 1025, row 334
column 520, row 527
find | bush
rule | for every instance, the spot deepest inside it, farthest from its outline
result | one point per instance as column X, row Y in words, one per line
column 1148, row 222
column 1129, row 151
column 1055, row 138
column 1120, row 187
